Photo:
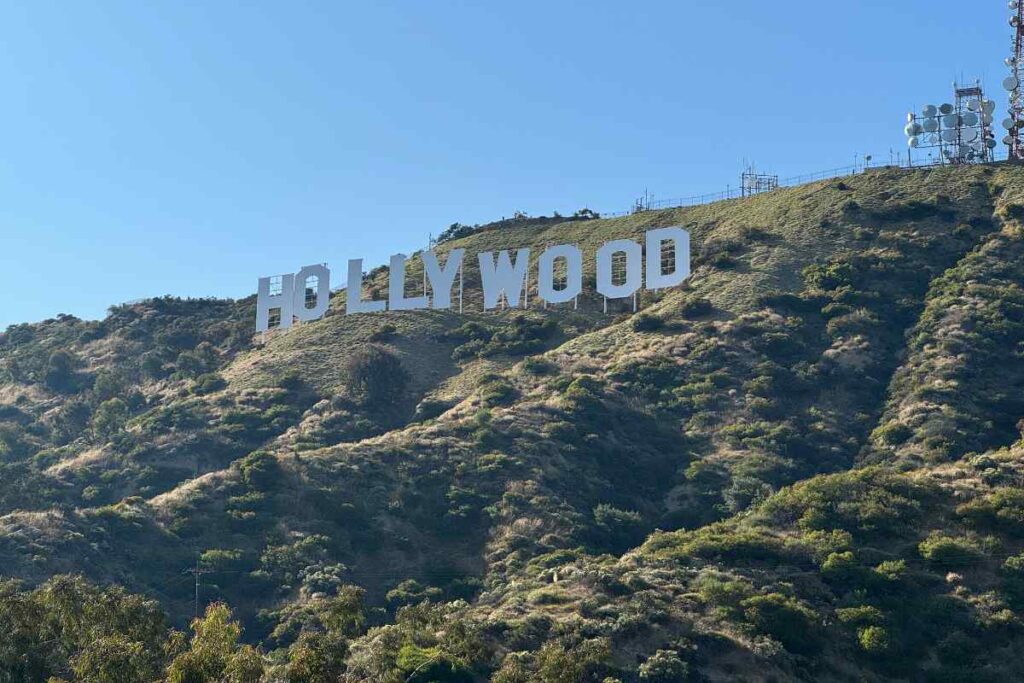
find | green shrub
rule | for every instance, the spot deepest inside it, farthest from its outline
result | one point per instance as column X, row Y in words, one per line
column 948, row 551
column 829, row 276
column 864, row 615
column 645, row 322
column 539, row 366
column 376, row 376
column 874, row 639
column 260, row 470
column 110, row 418
column 784, row 619
column 208, row 383
column 622, row 529
column 664, row 666
column 841, row 567
column 693, row 307
column 384, row 333
column 893, row 433
column 107, row 385
column 1001, row 510
column 430, row 665
column 61, row 373
column 496, row 390
column 559, row 664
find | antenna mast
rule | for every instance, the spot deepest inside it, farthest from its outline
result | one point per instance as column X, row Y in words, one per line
column 1012, row 83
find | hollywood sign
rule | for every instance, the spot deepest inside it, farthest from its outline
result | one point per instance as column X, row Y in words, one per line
column 622, row 269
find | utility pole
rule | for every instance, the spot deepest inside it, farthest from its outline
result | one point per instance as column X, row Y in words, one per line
column 197, row 573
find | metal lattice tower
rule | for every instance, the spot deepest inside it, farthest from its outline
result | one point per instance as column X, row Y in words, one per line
column 1015, row 123
column 971, row 100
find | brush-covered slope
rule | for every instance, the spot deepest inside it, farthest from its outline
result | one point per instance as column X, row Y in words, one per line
column 801, row 465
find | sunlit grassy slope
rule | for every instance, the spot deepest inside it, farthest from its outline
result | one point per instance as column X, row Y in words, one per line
column 793, row 433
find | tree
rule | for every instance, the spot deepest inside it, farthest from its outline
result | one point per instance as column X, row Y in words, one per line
column 81, row 627
column 376, row 376
column 211, row 651
column 244, row 666
column 113, row 659
column 61, row 373
column 195, row 362
column 344, row 612
column 152, row 364
column 107, row 385
column 70, row 420
column 317, row 658
column 620, row 529
column 110, row 418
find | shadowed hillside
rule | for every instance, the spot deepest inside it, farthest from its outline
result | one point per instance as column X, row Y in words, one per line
column 804, row 464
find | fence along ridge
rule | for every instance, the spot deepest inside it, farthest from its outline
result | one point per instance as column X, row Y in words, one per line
column 792, row 181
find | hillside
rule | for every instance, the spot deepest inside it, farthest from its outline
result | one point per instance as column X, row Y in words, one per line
column 806, row 464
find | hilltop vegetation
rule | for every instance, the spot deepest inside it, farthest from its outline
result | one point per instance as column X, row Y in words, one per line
column 804, row 464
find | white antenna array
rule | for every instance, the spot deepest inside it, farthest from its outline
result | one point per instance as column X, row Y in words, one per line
column 962, row 132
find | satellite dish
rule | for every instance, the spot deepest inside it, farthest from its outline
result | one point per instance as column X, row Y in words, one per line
column 970, row 119
column 910, row 117
column 974, row 105
column 930, row 125
column 930, row 110
column 1009, row 124
column 1008, row 140
column 914, row 129
column 988, row 106
column 990, row 143
column 932, row 139
column 913, row 142
column 949, row 135
column 987, row 119
column 969, row 134
column 1011, row 83
column 951, row 121
column 946, row 109
column 1013, row 4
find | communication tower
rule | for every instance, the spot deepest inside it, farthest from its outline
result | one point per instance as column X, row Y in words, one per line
column 752, row 182
column 962, row 131
column 1014, row 123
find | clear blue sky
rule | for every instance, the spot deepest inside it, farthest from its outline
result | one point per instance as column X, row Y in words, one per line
column 189, row 147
